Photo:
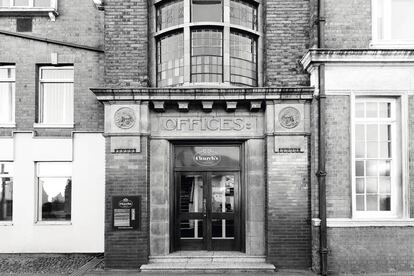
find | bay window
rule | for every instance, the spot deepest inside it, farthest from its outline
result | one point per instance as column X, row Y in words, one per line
column 377, row 158
column 7, row 94
column 393, row 22
column 6, row 191
column 198, row 43
column 54, row 181
column 56, row 96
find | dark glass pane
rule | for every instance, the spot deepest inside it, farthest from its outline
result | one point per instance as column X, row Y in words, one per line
column 359, row 168
column 243, row 13
column 199, row 156
column 385, row 203
column 206, row 56
column 170, row 14
column 222, row 197
column 170, row 60
column 56, row 198
column 360, row 187
column 206, row 10
column 243, row 59
column 191, row 229
column 222, row 229
column 191, row 194
column 6, row 198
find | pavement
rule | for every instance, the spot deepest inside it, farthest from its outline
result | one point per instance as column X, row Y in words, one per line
column 92, row 265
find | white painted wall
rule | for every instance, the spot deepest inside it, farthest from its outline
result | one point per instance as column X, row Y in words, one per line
column 85, row 232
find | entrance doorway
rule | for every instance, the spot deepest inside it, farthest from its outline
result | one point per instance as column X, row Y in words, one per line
column 207, row 198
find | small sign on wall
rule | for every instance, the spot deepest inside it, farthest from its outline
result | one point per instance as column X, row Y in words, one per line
column 126, row 212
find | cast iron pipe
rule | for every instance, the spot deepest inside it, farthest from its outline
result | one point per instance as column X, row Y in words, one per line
column 321, row 174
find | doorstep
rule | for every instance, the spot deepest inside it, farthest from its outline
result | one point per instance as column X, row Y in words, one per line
column 207, row 261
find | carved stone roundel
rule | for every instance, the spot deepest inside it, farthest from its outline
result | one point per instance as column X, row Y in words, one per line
column 289, row 117
column 124, row 118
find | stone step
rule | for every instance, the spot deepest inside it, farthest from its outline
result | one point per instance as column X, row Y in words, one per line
column 207, row 259
column 208, row 267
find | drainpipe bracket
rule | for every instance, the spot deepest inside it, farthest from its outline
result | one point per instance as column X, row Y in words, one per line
column 321, row 173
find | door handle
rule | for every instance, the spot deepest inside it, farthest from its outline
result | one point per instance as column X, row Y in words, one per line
column 204, row 207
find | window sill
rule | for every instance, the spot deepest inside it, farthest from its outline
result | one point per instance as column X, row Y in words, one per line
column 392, row 44
column 6, row 223
column 37, row 125
column 19, row 11
column 48, row 223
column 347, row 222
column 7, row 125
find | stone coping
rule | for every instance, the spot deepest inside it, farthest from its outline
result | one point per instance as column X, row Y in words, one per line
column 356, row 56
column 223, row 94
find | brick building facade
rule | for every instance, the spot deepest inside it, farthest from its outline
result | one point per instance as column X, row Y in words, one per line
column 266, row 133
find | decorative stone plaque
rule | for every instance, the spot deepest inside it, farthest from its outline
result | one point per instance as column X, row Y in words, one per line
column 124, row 118
column 289, row 117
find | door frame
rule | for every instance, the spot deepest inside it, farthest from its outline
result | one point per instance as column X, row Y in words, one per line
column 242, row 194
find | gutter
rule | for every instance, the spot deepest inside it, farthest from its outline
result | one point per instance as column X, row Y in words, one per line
column 321, row 174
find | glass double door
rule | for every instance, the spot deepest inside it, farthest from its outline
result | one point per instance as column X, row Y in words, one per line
column 207, row 210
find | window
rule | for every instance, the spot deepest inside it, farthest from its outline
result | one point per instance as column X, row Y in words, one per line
column 393, row 21
column 377, row 165
column 6, row 191
column 206, row 55
column 54, row 191
column 202, row 44
column 28, row 3
column 56, row 96
column 7, row 90
column 170, row 60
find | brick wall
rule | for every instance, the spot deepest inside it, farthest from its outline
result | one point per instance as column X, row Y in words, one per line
column 348, row 23
column 126, row 174
column 80, row 23
column 288, row 216
column 286, row 41
column 126, row 39
column 371, row 249
column 338, row 179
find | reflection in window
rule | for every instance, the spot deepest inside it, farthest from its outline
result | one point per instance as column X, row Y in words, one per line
column 55, row 191
column 206, row 10
column 170, row 14
column 243, row 14
column 206, row 56
column 7, row 88
column 243, row 59
column 222, row 199
column 170, row 60
column 6, row 191
column 373, row 155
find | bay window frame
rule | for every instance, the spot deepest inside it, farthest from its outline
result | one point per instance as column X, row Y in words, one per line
column 226, row 26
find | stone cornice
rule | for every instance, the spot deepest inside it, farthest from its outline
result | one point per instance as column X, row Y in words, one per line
column 197, row 94
column 318, row 56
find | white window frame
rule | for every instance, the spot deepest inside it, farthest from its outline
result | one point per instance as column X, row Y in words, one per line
column 53, row 4
column 8, row 222
column 40, row 123
column 399, row 210
column 39, row 195
column 13, row 103
column 386, row 40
